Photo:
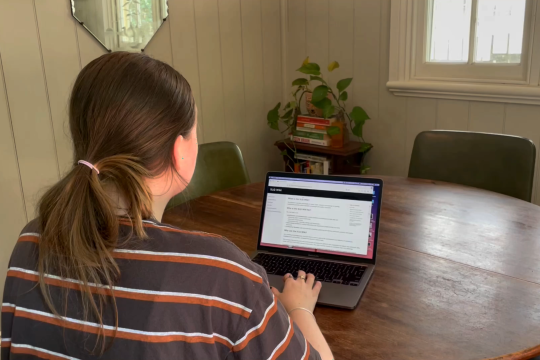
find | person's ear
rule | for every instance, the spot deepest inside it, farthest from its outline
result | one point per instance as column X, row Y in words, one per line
column 178, row 151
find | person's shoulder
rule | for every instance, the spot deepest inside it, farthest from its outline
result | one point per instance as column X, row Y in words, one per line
column 25, row 246
column 30, row 233
column 33, row 228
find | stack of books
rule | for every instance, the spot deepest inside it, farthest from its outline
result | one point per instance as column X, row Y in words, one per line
column 312, row 130
column 313, row 164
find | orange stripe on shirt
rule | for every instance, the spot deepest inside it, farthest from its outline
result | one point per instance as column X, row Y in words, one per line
column 133, row 295
column 35, row 239
column 284, row 346
column 36, row 353
column 29, row 238
column 187, row 260
column 8, row 309
column 170, row 229
column 259, row 331
column 121, row 334
column 5, row 343
column 306, row 356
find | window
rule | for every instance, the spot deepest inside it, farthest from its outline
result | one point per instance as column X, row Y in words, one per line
column 449, row 31
column 498, row 31
column 487, row 49
column 493, row 35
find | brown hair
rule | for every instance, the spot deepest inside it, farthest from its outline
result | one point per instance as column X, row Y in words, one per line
column 125, row 114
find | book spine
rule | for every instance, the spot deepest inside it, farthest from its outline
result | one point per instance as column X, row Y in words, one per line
column 316, row 131
column 311, row 141
column 301, row 156
column 315, row 121
column 305, row 126
column 311, row 135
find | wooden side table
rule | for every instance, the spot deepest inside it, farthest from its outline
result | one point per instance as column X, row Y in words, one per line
column 344, row 161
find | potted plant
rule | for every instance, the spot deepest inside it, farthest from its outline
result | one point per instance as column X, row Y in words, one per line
column 330, row 102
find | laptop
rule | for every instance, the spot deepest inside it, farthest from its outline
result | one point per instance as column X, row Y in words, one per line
column 324, row 225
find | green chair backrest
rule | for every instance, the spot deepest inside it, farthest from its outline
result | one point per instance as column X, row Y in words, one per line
column 220, row 166
column 495, row 162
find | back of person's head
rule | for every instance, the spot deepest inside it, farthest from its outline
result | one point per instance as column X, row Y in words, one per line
column 126, row 113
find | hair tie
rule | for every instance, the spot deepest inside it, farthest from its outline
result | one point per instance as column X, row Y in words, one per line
column 88, row 164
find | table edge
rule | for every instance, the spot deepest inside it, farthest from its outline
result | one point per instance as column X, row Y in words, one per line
column 520, row 355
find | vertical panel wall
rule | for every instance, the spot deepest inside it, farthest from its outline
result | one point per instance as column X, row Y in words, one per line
column 228, row 50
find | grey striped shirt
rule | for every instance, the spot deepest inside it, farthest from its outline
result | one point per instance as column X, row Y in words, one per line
column 181, row 295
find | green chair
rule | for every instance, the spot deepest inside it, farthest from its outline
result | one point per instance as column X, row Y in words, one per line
column 220, row 166
column 495, row 162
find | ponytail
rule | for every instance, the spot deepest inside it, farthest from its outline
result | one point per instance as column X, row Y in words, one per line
column 126, row 112
column 79, row 230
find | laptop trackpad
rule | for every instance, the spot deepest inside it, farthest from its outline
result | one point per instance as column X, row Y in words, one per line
column 331, row 294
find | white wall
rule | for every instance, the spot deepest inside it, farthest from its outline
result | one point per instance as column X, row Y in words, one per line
column 356, row 34
column 229, row 50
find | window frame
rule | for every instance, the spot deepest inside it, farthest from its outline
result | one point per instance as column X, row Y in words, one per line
column 411, row 75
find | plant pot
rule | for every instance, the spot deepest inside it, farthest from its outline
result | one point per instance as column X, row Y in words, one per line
column 339, row 139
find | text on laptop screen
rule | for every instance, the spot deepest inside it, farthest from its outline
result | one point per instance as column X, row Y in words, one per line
column 333, row 217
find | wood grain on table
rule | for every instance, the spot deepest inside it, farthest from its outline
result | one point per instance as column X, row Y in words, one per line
column 457, row 275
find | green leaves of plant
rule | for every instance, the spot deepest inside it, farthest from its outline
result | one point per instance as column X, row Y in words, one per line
column 310, row 69
column 288, row 114
column 357, row 130
column 365, row 147
column 359, row 116
column 317, row 78
column 320, row 100
column 319, row 93
column 343, row 84
column 300, row 81
column 333, row 130
column 328, row 111
column 273, row 117
column 322, row 104
column 333, row 65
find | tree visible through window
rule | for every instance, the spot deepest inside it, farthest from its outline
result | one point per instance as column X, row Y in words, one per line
column 137, row 23
column 147, row 16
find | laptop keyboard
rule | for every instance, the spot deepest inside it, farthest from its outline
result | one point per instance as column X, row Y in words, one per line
column 324, row 271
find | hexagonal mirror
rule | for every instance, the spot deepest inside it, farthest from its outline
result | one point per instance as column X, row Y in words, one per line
column 121, row 25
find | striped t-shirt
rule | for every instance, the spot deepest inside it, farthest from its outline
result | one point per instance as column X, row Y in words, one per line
column 180, row 295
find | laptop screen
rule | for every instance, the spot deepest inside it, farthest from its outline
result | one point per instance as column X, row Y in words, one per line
column 321, row 215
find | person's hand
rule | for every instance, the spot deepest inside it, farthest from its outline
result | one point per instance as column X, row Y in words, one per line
column 299, row 292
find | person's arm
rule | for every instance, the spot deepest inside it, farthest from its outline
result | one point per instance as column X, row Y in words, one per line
column 269, row 331
column 299, row 297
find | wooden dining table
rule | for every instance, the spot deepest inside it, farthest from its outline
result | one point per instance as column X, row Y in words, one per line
column 457, row 273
